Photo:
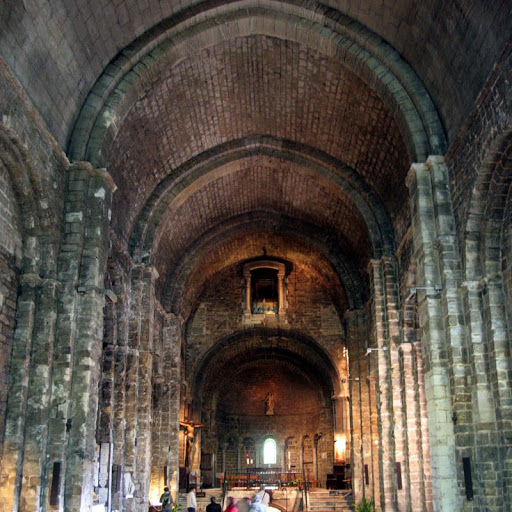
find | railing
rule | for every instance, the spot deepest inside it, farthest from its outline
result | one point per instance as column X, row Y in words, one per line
column 266, row 477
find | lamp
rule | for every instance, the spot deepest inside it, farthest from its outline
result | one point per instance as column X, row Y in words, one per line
column 370, row 350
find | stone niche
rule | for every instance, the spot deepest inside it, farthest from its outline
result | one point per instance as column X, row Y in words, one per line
column 265, row 293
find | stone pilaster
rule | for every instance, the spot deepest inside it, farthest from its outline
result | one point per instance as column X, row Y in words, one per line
column 12, row 458
column 395, row 334
column 439, row 316
column 172, row 375
column 362, row 409
column 487, row 449
column 380, row 356
column 34, row 478
column 82, row 263
column 120, row 338
column 139, row 387
column 417, row 483
column 425, row 445
column 500, row 365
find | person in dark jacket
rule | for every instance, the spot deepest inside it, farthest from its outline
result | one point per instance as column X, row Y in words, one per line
column 213, row 506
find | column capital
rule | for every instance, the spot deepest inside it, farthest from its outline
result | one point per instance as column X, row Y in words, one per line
column 412, row 173
column 374, row 264
column 432, row 161
column 31, row 279
column 406, row 347
column 146, row 268
column 93, row 172
column 435, row 161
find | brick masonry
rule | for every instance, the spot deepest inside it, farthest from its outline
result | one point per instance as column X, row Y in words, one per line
column 284, row 128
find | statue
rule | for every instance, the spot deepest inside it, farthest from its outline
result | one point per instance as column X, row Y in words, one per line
column 129, row 486
column 189, row 427
column 269, row 404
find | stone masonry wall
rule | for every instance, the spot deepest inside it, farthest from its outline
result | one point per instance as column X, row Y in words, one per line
column 10, row 260
column 480, row 136
column 219, row 314
column 32, row 176
column 310, row 311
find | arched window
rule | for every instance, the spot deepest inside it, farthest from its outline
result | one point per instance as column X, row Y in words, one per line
column 265, row 288
column 269, row 451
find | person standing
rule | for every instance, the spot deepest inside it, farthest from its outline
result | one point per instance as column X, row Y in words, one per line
column 231, row 505
column 166, row 500
column 191, row 500
column 213, row 506
column 243, row 504
column 257, row 505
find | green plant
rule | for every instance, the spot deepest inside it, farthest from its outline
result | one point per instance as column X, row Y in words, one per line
column 175, row 507
column 366, row 506
column 295, row 482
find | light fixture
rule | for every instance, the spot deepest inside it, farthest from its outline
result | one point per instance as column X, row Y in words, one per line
column 414, row 289
column 370, row 350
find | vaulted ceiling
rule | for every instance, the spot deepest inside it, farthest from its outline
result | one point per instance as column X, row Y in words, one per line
column 232, row 125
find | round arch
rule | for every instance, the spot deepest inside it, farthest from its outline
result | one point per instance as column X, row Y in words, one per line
column 290, row 344
column 323, row 28
column 339, row 265
column 368, row 204
column 487, row 211
column 16, row 160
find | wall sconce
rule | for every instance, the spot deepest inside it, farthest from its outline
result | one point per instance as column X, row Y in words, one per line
column 370, row 350
column 413, row 290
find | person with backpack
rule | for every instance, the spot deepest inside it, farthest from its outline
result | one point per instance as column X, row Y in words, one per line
column 166, row 500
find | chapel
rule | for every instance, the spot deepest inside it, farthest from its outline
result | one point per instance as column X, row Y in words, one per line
column 256, row 245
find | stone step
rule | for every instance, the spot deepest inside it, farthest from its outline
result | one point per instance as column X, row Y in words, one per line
column 323, row 500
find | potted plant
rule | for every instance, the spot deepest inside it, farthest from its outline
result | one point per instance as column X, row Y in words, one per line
column 366, row 506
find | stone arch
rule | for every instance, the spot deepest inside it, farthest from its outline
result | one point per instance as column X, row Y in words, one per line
column 32, row 289
column 13, row 187
column 177, row 287
column 295, row 346
column 364, row 198
column 247, row 362
column 360, row 49
column 488, row 262
column 16, row 161
column 487, row 210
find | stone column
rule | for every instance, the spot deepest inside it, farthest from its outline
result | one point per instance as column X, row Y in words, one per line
column 172, row 375
column 380, row 358
column 79, row 332
column 120, row 370
column 416, row 484
column 438, row 263
column 139, row 384
column 395, row 334
column 33, row 473
column 12, row 458
column 362, row 408
column 247, row 276
column 88, row 325
column 280, row 292
column 224, row 458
